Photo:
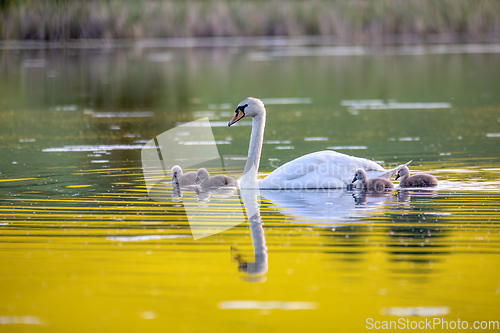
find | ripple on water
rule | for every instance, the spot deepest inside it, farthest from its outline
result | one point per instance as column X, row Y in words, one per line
column 20, row 320
column 346, row 147
column 266, row 305
column 419, row 311
column 142, row 238
column 134, row 114
column 316, row 138
column 92, row 148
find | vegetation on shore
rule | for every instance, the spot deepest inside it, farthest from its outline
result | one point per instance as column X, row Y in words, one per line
column 346, row 21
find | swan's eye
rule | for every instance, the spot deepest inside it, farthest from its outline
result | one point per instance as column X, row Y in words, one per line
column 242, row 108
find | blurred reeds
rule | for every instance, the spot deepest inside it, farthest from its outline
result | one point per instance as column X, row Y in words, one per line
column 346, row 20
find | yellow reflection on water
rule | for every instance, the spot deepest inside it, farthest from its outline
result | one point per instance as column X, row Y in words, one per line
column 120, row 262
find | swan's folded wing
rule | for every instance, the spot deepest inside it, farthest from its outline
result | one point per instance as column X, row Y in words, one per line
column 323, row 169
column 387, row 173
column 293, row 171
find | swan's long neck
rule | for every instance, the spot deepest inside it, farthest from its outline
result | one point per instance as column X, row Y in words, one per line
column 249, row 178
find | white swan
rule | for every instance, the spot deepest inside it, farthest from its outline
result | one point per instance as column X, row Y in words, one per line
column 323, row 169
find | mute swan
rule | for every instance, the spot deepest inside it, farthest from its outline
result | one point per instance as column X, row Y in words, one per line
column 376, row 184
column 419, row 180
column 323, row 169
column 206, row 182
column 180, row 179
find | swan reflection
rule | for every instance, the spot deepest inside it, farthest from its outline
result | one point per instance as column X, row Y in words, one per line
column 336, row 205
column 258, row 267
column 215, row 210
column 317, row 206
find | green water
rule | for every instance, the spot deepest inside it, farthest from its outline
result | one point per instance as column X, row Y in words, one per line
column 84, row 248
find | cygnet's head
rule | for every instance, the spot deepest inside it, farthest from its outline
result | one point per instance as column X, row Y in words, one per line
column 201, row 175
column 403, row 172
column 249, row 107
column 176, row 172
column 360, row 175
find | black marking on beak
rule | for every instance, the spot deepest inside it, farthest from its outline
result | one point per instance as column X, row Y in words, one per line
column 238, row 114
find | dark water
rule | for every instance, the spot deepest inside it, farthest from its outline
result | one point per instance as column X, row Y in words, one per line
column 85, row 248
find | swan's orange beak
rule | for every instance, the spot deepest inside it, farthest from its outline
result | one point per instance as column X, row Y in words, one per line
column 237, row 116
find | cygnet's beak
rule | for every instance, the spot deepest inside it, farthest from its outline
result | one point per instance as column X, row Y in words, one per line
column 354, row 179
column 238, row 114
column 173, row 177
column 197, row 180
column 397, row 176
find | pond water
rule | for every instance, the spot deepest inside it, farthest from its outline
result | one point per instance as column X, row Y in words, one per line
column 85, row 248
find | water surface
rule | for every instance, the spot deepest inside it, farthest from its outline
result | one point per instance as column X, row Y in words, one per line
column 84, row 248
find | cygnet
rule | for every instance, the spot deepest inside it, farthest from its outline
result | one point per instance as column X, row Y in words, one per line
column 419, row 180
column 372, row 184
column 182, row 179
column 206, row 182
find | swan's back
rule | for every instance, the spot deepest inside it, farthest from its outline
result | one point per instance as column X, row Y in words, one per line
column 323, row 169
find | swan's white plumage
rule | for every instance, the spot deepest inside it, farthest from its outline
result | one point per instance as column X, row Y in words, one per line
column 323, row 169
